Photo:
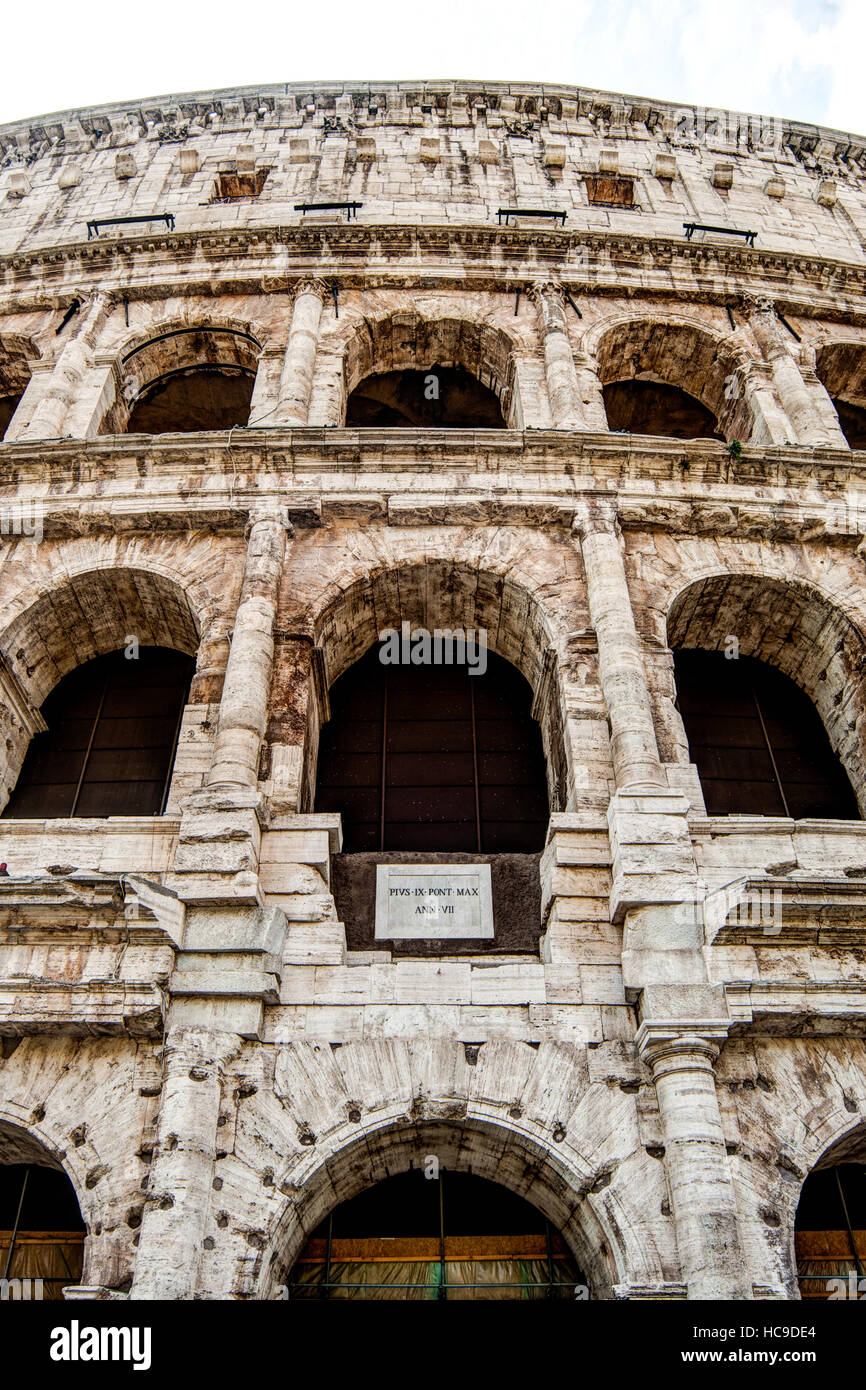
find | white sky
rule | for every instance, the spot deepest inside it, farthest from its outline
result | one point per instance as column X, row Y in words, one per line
column 795, row 58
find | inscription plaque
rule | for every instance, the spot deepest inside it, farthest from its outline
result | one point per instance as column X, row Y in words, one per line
column 433, row 900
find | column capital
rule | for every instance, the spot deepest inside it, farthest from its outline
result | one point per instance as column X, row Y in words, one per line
column 757, row 304
column 263, row 512
column 673, row 1046
column 201, row 1050
column 596, row 516
column 310, row 285
column 549, row 298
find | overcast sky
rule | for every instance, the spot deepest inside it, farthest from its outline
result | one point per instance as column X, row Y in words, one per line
column 778, row 57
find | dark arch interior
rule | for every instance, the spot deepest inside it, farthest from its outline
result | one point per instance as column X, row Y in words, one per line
column 437, row 398
column 432, row 758
column 650, row 407
column 495, row 1244
column 758, row 741
column 113, row 725
column 194, row 399
column 830, row 1229
column 8, row 407
column 852, row 419
column 41, row 1230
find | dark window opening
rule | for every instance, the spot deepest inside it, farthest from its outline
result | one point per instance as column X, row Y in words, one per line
column 432, row 758
column 438, row 398
column 610, row 190
column 41, row 1230
column 852, row 419
column 232, row 187
column 456, row 1237
column 650, row 407
column 8, row 407
column 830, row 1232
column 193, row 399
column 113, row 726
column 758, row 741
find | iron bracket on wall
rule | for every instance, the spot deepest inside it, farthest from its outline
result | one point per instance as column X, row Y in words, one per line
column 350, row 209
column 530, row 212
column 94, row 226
column 692, row 227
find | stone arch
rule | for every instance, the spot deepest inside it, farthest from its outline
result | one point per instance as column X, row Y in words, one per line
column 489, row 586
column 26, row 1144
column 216, row 346
column 519, row 1160
column 797, row 629
column 841, row 368
column 410, row 340
column 91, row 613
column 847, row 1148
column 674, row 352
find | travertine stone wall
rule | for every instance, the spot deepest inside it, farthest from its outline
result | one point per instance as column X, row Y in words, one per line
column 182, row 1026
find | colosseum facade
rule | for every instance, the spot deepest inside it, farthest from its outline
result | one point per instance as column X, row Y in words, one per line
column 282, row 369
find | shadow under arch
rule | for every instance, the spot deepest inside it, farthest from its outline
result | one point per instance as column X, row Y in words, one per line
column 795, row 628
column 40, row 1197
column 486, row 1148
column 841, row 368
column 15, row 355
column 674, row 353
column 410, row 342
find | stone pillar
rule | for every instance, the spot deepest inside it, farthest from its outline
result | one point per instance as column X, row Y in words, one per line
column 590, row 394
column 620, row 660
column 751, row 408
column 181, row 1177
column 562, row 383
column 74, row 376
column 266, row 391
column 244, row 704
column 792, row 391
column 296, row 382
column 696, row 1161
column 294, row 684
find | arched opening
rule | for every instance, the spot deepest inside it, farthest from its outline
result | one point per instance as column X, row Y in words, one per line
column 186, row 380
column 649, row 407
column 434, row 758
column 193, row 399
column 41, row 1229
column 768, row 680
column 430, row 1234
column 112, row 731
column 410, row 372
column 758, row 741
column 14, row 377
column 675, row 379
column 93, row 614
column 595, row 1227
column 439, row 398
column 841, row 367
column 830, row 1227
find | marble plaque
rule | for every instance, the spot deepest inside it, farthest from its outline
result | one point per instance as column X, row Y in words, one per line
column 433, row 901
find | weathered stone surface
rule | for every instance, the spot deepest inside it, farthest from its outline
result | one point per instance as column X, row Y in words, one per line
column 194, row 1024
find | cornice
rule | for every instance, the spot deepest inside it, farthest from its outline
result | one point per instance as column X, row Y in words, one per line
column 313, row 477
column 266, row 260
column 267, row 103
